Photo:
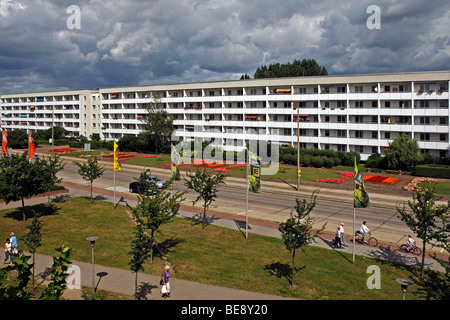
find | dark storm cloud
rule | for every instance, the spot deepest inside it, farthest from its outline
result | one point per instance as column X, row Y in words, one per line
column 135, row 42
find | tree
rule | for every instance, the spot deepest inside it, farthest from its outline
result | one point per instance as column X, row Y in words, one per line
column 90, row 171
column 297, row 232
column 140, row 251
column 424, row 218
column 403, row 153
column 59, row 274
column 17, row 139
column 55, row 165
column 158, row 125
column 20, row 179
column 155, row 208
column 33, row 238
column 206, row 184
column 303, row 68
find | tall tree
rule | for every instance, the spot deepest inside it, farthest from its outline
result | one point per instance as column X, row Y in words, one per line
column 297, row 232
column 425, row 217
column 298, row 68
column 20, row 179
column 90, row 171
column 158, row 125
column 403, row 153
column 206, row 184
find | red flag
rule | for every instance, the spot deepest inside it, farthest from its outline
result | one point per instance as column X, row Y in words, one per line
column 4, row 143
column 30, row 147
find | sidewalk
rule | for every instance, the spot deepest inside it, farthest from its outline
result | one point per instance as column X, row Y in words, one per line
column 122, row 281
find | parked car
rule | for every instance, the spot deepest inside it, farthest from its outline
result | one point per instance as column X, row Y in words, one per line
column 138, row 187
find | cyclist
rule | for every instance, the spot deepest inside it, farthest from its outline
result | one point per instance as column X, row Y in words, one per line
column 365, row 231
column 411, row 242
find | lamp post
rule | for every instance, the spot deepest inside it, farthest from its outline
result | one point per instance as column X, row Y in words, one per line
column 404, row 283
column 92, row 241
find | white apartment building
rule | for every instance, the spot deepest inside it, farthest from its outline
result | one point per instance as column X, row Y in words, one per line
column 78, row 111
column 361, row 113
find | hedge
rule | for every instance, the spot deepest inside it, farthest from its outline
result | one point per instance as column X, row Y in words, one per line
column 434, row 171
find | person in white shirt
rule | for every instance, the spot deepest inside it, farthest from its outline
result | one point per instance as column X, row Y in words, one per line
column 337, row 239
column 341, row 230
column 411, row 242
column 365, row 231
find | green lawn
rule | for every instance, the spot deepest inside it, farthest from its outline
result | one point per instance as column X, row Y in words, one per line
column 214, row 255
column 439, row 187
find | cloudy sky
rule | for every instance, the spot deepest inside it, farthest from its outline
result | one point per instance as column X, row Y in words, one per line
column 50, row 45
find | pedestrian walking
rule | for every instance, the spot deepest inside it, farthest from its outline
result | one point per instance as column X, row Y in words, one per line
column 165, row 290
column 8, row 252
column 14, row 245
column 337, row 239
column 341, row 229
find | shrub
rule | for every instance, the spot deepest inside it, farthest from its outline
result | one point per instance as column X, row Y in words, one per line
column 434, row 171
column 317, row 162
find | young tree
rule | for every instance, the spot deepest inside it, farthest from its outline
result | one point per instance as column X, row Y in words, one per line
column 424, row 218
column 140, row 251
column 90, row 171
column 33, row 239
column 20, row 179
column 297, row 232
column 155, row 208
column 206, row 184
column 59, row 274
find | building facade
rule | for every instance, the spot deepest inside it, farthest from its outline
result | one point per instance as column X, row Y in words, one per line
column 361, row 113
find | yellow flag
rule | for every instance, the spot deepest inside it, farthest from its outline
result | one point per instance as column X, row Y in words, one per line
column 117, row 165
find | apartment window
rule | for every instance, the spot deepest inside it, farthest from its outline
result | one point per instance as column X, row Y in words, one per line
column 424, row 87
column 341, row 148
column 425, row 136
column 374, row 149
column 302, row 90
column 404, row 104
column 341, row 104
column 359, row 104
column 424, row 120
column 374, row 104
column 387, row 88
column 442, row 120
column 211, row 93
column 443, row 137
column 443, row 153
column 327, row 118
column 387, row 135
column 359, row 119
column 387, row 104
column 361, row 149
column 374, row 134
column 342, row 133
column 359, row 134
column 327, row 133
column 327, row 146
column 403, row 88
column 341, row 89
column 359, row 89
column 342, row 119
column 240, row 92
column 253, row 92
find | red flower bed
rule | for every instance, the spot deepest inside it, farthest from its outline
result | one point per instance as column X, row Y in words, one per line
column 345, row 176
column 63, row 149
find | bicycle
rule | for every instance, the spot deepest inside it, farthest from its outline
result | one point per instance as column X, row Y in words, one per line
column 407, row 249
column 371, row 240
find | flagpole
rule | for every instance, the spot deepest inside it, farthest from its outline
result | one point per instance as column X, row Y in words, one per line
column 114, row 203
column 246, row 202
column 354, row 213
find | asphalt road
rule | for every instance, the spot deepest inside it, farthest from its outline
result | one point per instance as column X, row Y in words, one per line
column 272, row 204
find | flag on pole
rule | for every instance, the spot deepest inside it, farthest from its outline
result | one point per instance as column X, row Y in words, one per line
column 4, row 143
column 175, row 159
column 254, row 178
column 117, row 165
column 361, row 198
column 31, row 147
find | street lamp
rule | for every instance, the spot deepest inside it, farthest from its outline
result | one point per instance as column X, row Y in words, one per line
column 404, row 284
column 92, row 241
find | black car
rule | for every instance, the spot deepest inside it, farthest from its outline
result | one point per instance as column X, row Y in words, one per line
column 138, row 187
